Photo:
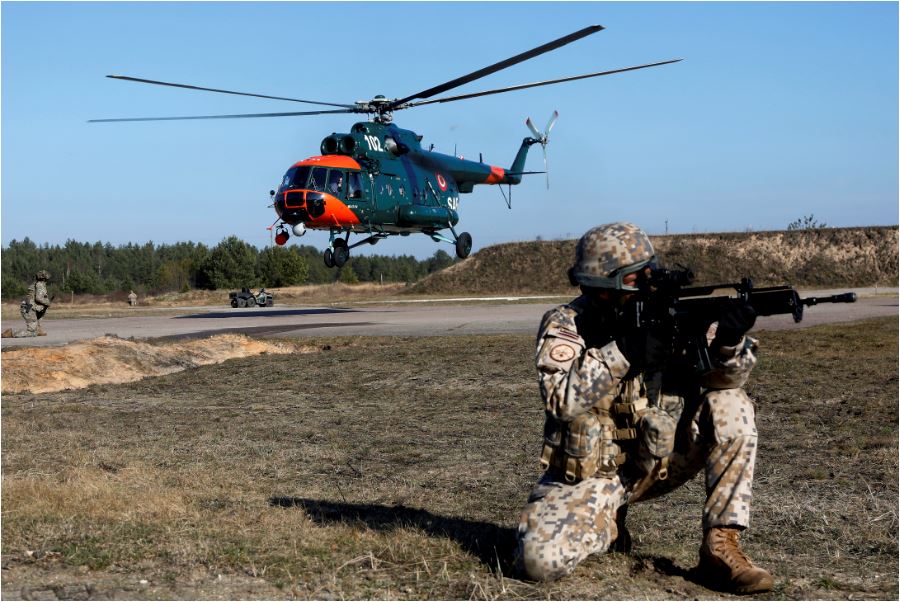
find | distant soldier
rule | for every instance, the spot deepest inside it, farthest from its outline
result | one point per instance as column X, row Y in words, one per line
column 34, row 307
column 132, row 299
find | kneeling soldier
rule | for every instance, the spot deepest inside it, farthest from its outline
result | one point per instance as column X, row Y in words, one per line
column 623, row 426
column 33, row 308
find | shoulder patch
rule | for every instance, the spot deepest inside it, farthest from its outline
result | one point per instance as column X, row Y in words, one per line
column 562, row 353
column 563, row 332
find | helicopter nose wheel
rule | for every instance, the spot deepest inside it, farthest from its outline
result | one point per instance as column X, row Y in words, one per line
column 463, row 245
column 341, row 255
column 337, row 256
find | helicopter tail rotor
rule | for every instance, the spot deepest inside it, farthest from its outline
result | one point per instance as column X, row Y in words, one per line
column 543, row 138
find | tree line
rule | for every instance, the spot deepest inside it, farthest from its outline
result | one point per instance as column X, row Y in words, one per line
column 100, row 268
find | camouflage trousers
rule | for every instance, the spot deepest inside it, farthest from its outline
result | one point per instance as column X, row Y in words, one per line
column 564, row 523
column 32, row 322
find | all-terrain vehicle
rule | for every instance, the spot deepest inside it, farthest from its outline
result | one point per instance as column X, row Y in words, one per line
column 245, row 298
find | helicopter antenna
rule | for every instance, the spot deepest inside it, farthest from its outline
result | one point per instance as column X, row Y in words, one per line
column 507, row 200
column 543, row 138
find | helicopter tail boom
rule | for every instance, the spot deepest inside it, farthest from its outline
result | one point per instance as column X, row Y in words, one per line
column 516, row 170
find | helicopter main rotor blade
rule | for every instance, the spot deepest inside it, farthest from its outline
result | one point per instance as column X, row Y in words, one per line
column 244, row 116
column 536, row 84
column 459, row 81
column 190, row 87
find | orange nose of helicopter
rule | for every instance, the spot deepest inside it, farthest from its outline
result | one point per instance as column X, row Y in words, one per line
column 315, row 209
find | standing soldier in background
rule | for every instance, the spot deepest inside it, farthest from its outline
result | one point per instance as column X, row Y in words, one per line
column 132, row 299
column 33, row 308
column 626, row 423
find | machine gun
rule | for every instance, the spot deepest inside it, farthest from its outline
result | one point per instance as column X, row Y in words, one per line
column 669, row 304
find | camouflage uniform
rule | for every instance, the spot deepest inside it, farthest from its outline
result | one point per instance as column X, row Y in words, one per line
column 582, row 371
column 34, row 306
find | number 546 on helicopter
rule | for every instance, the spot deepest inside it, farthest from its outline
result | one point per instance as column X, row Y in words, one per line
column 377, row 180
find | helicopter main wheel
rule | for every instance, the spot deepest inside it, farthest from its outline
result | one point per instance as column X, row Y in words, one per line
column 463, row 245
column 341, row 255
column 328, row 257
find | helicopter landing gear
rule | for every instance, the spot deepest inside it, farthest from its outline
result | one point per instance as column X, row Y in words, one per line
column 341, row 252
column 338, row 251
column 463, row 245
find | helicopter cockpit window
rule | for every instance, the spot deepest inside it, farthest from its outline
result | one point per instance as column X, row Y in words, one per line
column 335, row 182
column 317, row 181
column 354, row 186
column 295, row 178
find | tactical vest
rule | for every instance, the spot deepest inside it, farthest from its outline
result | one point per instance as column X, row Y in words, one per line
column 620, row 428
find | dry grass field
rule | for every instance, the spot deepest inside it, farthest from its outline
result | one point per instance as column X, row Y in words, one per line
column 395, row 468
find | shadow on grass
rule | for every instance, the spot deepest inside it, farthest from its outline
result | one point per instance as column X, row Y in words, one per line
column 490, row 543
column 665, row 566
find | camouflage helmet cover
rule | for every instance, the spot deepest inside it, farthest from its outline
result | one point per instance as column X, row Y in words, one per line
column 42, row 275
column 607, row 253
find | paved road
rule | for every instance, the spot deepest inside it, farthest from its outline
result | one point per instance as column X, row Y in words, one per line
column 417, row 319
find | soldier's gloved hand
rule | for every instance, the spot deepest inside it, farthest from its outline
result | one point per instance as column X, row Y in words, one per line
column 736, row 318
column 644, row 349
column 633, row 345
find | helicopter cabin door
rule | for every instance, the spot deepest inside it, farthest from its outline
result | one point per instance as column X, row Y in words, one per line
column 390, row 195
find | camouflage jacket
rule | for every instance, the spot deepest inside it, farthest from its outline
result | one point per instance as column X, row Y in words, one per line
column 579, row 364
column 37, row 294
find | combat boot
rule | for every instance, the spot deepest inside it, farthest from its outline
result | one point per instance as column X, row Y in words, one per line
column 7, row 334
column 41, row 332
column 724, row 563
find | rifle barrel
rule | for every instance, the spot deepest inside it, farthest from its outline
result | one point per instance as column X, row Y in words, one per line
column 842, row 298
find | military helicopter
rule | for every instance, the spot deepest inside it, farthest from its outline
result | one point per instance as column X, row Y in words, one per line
column 378, row 180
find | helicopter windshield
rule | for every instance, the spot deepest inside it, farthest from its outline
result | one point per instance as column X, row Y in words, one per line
column 317, row 182
column 295, row 177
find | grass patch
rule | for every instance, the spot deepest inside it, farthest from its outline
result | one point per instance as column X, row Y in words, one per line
column 395, row 468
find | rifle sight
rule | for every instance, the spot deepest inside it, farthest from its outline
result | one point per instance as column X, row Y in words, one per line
column 663, row 279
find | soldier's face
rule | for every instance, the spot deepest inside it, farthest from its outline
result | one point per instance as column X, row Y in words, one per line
column 618, row 298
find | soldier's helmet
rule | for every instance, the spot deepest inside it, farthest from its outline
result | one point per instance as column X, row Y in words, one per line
column 608, row 253
column 42, row 275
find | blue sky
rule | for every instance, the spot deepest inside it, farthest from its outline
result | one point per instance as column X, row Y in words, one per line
column 779, row 110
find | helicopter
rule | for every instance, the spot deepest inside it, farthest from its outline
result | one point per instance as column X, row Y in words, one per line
column 377, row 180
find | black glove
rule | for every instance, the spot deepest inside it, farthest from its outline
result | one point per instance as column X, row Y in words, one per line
column 644, row 349
column 735, row 319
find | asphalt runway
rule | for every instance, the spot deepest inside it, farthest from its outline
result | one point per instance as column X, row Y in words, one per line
column 412, row 319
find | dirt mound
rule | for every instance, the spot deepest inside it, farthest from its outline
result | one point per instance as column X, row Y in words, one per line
column 109, row 359
column 827, row 257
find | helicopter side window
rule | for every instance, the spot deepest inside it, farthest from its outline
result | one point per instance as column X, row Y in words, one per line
column 317, row 181
column 354, row 186
column 335, row 182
